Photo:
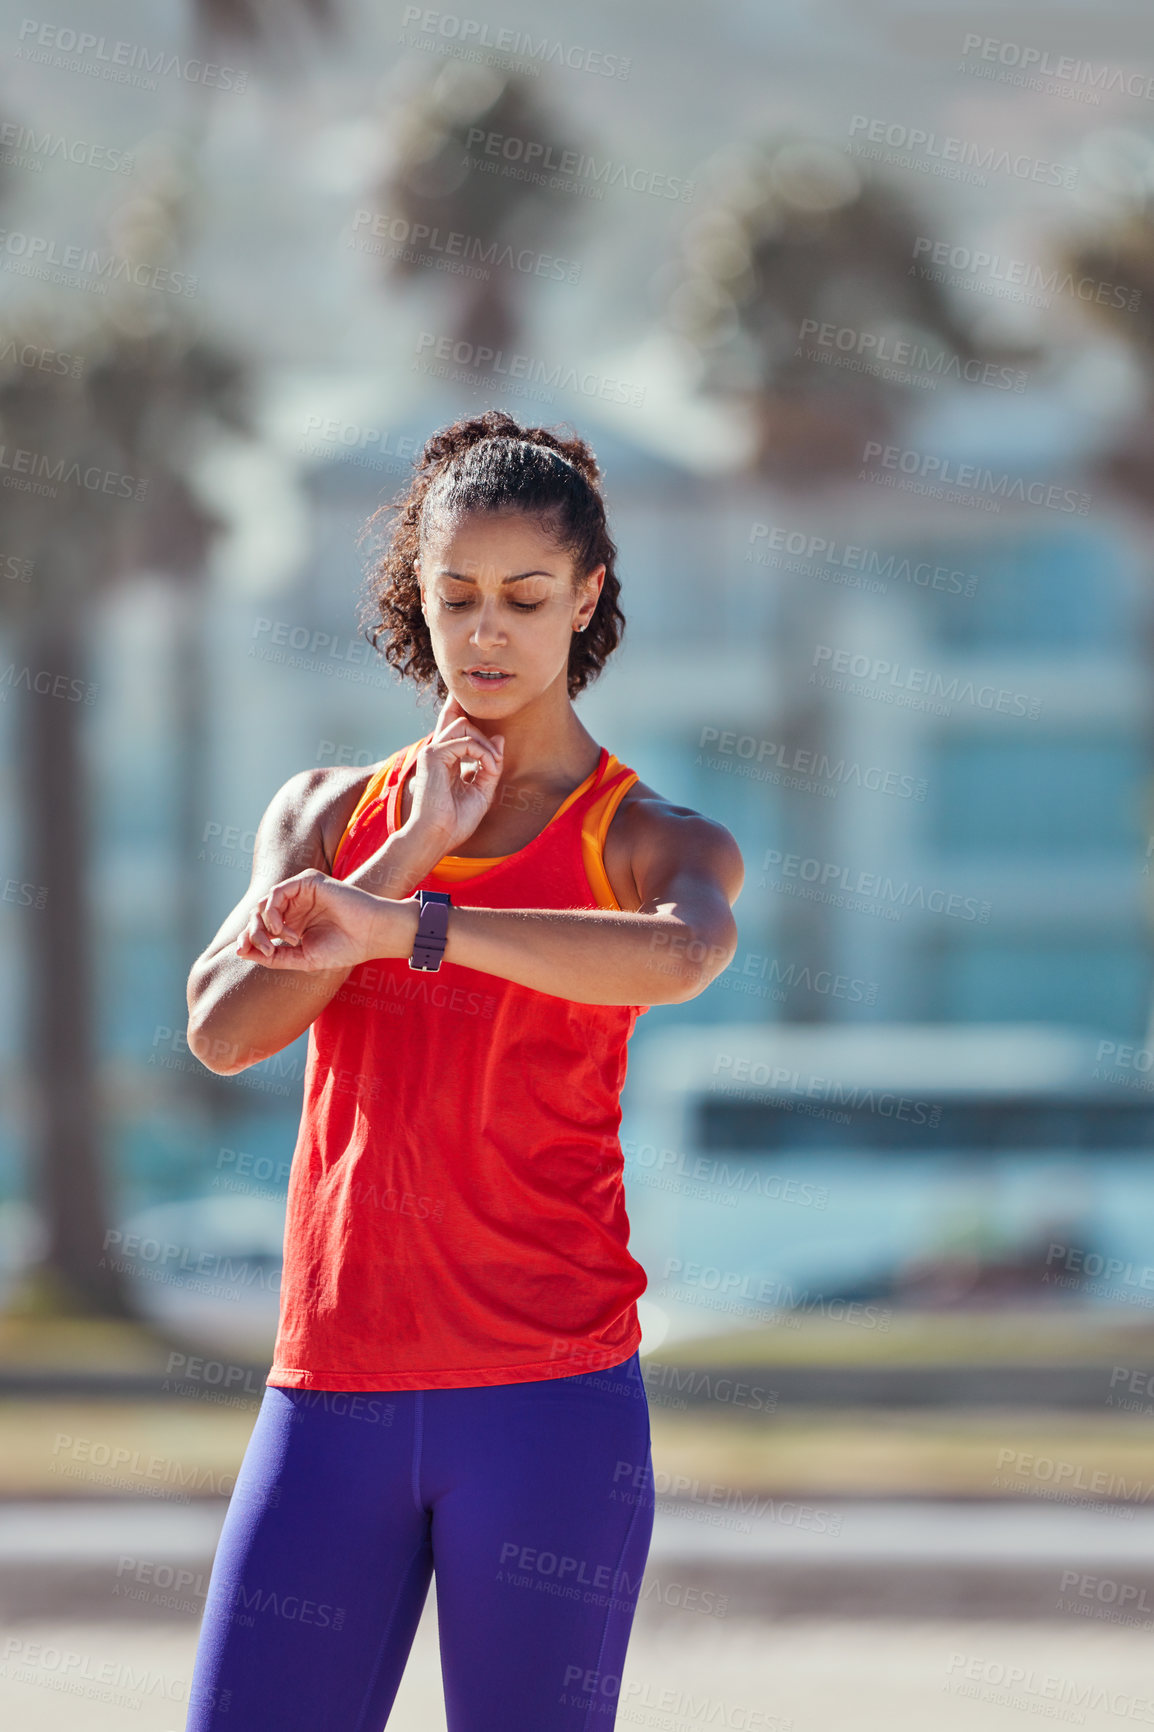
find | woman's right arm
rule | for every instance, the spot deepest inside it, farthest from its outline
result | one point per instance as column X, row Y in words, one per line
column 240, row 1013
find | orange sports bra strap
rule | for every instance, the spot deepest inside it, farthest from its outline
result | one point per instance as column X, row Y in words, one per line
column 605, row 799
column 595, row 822
column 403, row 765
column 373, row 790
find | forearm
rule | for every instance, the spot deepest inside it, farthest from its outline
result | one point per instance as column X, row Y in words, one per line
column 241, row 1013
column 591, row 956
column 399, row 865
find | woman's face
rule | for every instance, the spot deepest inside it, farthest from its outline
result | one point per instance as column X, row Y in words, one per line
column 501, row 603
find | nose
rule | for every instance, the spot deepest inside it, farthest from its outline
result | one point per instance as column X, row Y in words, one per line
column 487, row 629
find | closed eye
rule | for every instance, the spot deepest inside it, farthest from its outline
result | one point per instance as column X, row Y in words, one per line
column 521, row 606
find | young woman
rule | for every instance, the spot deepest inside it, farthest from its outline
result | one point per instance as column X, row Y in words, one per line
column 455, row 1386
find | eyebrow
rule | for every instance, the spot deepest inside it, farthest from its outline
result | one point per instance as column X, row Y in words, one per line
column 458, row 577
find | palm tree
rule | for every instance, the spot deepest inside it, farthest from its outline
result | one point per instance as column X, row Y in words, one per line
column 1118, row 264
column 792, row 236
column 151, row 390
column 433, row 182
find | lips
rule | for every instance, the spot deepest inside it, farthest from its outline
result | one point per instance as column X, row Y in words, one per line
column 483, row 676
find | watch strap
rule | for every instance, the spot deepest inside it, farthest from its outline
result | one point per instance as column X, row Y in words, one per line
column 432, row 930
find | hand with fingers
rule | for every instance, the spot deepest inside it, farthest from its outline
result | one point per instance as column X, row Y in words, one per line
column 455, row 778
column 312, row 922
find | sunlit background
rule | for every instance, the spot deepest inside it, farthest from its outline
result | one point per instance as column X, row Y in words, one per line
column 854, row 302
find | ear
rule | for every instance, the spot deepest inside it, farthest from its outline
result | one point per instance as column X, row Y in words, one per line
column 591, row 585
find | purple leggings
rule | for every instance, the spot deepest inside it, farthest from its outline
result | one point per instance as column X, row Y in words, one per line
column 533, row 1502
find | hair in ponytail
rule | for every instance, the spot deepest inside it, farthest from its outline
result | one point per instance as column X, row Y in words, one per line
column 490, row 463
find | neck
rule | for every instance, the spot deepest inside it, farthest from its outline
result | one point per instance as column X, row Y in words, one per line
column 544, row 741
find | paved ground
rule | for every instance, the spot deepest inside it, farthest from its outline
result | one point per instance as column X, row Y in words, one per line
column 800, row 1677
column 77, row 1613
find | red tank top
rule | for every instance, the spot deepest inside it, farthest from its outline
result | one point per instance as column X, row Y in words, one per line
column 456, row 1209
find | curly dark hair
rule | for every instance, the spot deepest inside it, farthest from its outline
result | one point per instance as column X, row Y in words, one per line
column 490, row 463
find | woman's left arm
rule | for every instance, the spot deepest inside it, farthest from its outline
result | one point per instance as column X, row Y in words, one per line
column 688, row 872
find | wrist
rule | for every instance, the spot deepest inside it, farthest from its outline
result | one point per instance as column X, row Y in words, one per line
column 424, row 840
column 392, row 928
column 396, row 869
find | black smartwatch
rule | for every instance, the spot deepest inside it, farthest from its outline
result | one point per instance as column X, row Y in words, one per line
column 432, row 927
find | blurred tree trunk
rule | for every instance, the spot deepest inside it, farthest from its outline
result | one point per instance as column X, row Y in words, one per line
column 151, row 390
column 60, row 1045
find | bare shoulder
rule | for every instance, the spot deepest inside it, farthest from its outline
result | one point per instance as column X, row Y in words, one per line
column 306, row 818
column 651, row 835
column 300, row 829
